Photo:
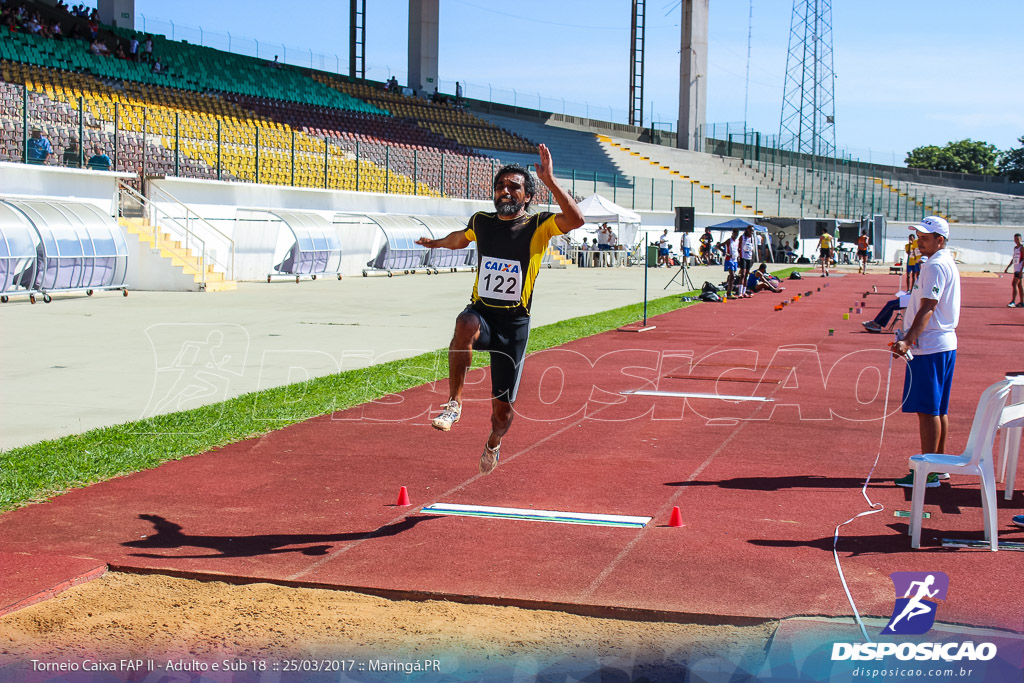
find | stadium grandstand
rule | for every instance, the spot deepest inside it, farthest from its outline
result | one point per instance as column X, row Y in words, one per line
column 174, row 110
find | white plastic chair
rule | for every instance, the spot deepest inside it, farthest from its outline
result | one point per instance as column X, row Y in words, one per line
column 976, row 460
column 1011, row 422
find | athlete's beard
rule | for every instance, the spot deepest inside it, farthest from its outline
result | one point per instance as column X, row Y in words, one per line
column 508, row 207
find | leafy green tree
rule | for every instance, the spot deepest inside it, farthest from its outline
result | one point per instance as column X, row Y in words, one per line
column 1011, row 163
column 964, row 156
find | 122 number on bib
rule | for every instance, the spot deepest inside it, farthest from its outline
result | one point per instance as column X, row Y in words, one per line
column 500, row 279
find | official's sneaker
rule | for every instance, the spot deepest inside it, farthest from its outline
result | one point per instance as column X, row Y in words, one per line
column 450, row 414
column 489, row 459
column 942, row 475
column 908, row 481
column 872, row 326
column 1012, row 305
column 1018, row 520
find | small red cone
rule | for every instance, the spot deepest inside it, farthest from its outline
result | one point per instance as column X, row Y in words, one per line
column 403, row 497
column 677, row 517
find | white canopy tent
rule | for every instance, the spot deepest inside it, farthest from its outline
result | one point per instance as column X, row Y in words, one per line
column 596, row 210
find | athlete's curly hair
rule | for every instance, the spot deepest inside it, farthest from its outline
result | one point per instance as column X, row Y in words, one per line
column 529, row 184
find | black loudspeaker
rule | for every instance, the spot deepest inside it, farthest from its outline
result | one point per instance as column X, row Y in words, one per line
column 684, row 219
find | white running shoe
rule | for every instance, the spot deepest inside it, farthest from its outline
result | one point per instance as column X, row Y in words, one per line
column 450, row 414
column 489, row 459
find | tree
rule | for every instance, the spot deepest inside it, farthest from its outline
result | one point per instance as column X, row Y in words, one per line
column 1011, row 163
column 964, row 156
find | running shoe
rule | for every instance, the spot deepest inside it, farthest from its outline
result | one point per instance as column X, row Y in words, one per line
column 489, row 459
column 1018, row 520
column 942, row 475
column 872, row 326
column 450, row 414
column 1011, row 305
column 908, row 481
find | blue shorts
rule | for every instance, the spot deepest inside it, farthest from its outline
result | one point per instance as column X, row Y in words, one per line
column 731, row 266
column 662, row 252
column 927, row 382
column 686, row 253
column 916, row 268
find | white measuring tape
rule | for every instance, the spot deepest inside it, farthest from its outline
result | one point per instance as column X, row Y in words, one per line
column 875, row 508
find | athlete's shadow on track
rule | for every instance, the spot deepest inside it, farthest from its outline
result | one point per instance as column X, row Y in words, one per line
column 798, row 481
column 169, row 535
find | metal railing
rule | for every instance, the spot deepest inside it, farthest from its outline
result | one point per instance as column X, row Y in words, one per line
column 180, row 224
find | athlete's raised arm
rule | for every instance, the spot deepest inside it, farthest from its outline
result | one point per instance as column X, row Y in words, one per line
column 570, row 217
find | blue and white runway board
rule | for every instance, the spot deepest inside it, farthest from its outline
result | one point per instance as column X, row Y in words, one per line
column 538, row 515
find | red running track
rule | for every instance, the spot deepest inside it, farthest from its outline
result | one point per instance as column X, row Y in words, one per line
column 761, row 485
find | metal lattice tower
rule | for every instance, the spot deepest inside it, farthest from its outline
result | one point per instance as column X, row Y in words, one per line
column 357, row 39
column 636, row 65
column 808, row 101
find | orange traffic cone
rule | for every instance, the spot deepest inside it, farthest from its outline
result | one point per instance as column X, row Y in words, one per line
column 403, row 497
column 677, row 517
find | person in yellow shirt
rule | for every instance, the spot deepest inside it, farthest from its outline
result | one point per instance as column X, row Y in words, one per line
column 913, row 261
column 825, row 250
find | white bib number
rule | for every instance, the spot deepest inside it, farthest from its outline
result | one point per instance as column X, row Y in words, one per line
column 500, row 279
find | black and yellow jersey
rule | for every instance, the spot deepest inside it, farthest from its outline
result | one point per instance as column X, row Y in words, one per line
column 509, row 254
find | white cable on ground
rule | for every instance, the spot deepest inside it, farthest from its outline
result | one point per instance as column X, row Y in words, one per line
column 875, row 507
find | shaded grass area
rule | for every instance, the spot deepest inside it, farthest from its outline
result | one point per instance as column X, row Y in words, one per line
column 37, row 472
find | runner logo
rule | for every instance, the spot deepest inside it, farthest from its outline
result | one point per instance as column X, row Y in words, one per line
column 914, row 612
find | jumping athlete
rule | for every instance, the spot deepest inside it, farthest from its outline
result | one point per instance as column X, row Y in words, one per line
column 510, row 244
column 824, row 250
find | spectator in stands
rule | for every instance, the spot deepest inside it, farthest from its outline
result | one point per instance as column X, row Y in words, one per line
column 99, row 161
column 157, row 67
column 584, row 254
column 147, row 49
column 94, row 29
column 98, row 48
column 458, row 93
column 39, row 149
column 133, row 49
column 119, row 52
column 56, row 32
column 274, row 64
column 72, row 154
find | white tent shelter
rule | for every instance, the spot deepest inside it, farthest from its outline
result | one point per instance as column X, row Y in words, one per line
column 596, row 210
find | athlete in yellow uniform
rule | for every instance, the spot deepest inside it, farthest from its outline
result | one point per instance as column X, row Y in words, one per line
column 510, row 245
column 824, row 251
column 913, row 261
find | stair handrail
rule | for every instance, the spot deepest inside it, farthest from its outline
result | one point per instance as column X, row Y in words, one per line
column 183, row 229
column 211, row 234
column 157, row 220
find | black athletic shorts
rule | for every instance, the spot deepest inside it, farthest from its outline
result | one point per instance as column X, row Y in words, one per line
column 745, row 263
column 505, row 337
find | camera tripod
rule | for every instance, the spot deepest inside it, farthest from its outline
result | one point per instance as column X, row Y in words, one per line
column 684, row 271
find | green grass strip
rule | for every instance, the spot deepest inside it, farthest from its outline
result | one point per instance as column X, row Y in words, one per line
column 40, row 471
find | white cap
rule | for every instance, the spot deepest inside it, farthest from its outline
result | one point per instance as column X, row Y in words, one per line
column 935, row 224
